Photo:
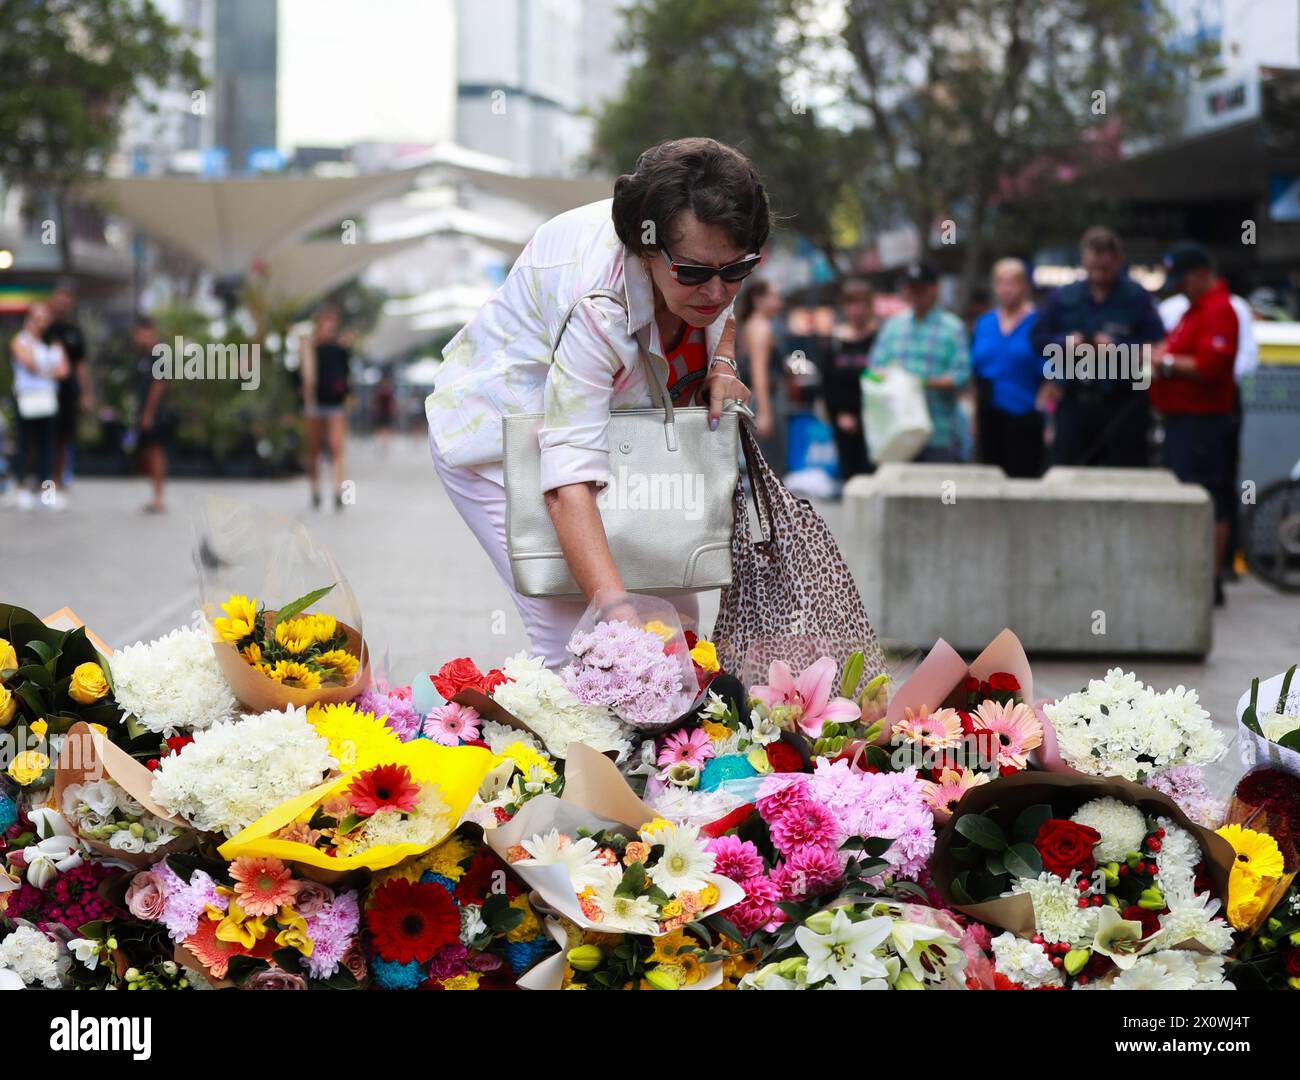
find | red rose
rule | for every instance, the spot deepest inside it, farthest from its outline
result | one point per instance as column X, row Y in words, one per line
column 692, row 638
column 1066, row 846
column 1293, row 963
column 784, row 758
column 457, row 675
column 970, row 684
column 1150, row 920
column 493, row 679
column 1004, row 682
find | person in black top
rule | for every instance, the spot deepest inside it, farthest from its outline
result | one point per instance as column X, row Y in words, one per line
column 1099, row 421
column 74, row 387
column 844, row 364
column 155, row 421
column 325, row 362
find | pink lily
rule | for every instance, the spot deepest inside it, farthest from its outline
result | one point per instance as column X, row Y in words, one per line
column 807, row 696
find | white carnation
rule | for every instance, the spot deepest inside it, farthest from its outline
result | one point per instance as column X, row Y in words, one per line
column 539, row 698
column 1122, row 827
column 33, row 957
column 1024, row 962
column 173, row 684
column 233, row 773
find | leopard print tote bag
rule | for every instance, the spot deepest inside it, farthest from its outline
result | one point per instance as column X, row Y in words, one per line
column 792, row 596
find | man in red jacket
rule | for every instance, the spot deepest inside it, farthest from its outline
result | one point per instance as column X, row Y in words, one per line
column 1193, row 386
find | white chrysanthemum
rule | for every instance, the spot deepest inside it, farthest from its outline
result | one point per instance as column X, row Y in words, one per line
column 578, row 857
column 1122, row 827
column 233, row 773
column 1194, row 919
column 33, row 957
column 500, row 736
column 1173, row 969
column 1025, row 962
column 1176, row 860
column 540, row 699
column 684, row 865
column 173, row 684
column 1057, row 913
column 427, row 824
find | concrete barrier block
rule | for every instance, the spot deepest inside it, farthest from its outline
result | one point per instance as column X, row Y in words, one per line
column 1092, row 561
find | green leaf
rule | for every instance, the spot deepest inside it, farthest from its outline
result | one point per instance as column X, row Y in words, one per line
column 1030, row 820
column 1285, row 692
column 1291, row 740
column 351, row 822
column 38, row 674
column 958, row 888
column 994, row 863
column 1022, row 860
column 300, row 605
column 1249, row 717
column 43, row 651
column 633, row 883
column 852, row 674
column 982, row 830
column 726, row 928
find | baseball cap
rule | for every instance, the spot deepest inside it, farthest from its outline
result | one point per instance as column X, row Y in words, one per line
column 920, row 273
column 1184, row 257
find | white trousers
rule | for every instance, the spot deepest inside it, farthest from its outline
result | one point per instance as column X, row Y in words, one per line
column 548, row 622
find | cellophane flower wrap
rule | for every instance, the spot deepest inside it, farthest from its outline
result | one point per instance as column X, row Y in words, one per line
column 285, row 624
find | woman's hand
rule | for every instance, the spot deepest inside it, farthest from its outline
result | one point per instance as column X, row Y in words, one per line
column 722, row 386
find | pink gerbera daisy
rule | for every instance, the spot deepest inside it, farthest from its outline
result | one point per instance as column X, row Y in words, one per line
column 452, row 724
column 692, row 747
column 944, row 796
column 938, row 730
column 805, row 823
column 263, row 885
column 1016, row 727
column 735, row 858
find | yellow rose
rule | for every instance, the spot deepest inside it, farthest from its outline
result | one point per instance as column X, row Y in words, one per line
column 705, row 654
column 88, row 684
column 27, row 767
column 660, row 629
column 40, row 728
column 8, row 658
column 8, row 706
column 709, row 895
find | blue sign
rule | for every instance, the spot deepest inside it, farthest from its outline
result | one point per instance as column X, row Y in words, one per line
column 1284, row 197
column 214, row 163
column 264, row 159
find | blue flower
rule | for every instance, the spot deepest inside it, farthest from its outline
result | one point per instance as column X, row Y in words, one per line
column 394, row 976
column 728, row 767
column 524, row 954
column 430, row 878
column 8, row 812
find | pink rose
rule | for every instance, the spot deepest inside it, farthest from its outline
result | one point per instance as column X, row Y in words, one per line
column 146, row 896
column 311, row 897
column 275, row 978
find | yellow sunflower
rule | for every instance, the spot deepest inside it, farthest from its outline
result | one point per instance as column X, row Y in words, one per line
column 240, row 621
column 295, row 635
column 292, row 673
column 342, row 662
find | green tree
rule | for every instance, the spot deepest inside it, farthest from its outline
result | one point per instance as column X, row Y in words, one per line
column 68, row 69
column 722, row 69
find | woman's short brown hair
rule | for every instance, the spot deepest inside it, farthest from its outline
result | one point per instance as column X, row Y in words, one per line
column 715, row 182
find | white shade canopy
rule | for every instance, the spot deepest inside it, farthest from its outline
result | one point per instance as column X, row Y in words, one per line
column 303, row 272
column 407, row 323
column 549, row 195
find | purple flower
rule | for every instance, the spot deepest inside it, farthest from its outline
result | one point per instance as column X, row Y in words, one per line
column 332, row 930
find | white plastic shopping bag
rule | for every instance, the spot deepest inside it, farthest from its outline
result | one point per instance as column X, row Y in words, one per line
column 895, row 416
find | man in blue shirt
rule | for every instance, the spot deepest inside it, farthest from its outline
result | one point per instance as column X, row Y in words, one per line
column 1103, row 419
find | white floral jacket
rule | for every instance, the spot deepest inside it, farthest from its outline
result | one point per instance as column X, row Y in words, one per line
column 499, row 363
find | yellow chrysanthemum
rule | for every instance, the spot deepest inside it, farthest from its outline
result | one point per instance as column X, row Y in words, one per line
column 447, row 857
column 1257, row 852
column 341, row 661
column 525, row 757
column 667, row 947
column 650, row 828
column 468, row 981
column 292, row 673
column 296, row 635
column 705, row 654
column 715, row 731
column 240, row 621
column 709, row 895
column 358, row 740
column 529, row 926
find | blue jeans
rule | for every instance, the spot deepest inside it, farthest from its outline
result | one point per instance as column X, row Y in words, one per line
column 36, row 449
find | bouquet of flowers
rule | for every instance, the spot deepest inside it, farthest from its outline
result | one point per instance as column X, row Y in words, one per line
column 1095, row 883
column 523, row 772
column 1118, row 726
column 1271, row 737
column 451, row 919
column 597, row 960
column 626, row 669
column 251, row 921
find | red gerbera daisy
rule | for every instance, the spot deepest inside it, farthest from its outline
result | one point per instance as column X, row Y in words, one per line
column 409, row 921
column 386, row 787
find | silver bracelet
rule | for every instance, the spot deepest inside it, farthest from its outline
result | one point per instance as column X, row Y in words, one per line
column 725, row 360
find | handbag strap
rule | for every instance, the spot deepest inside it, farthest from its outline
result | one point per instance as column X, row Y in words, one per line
column 657, row 390
column 759, row 473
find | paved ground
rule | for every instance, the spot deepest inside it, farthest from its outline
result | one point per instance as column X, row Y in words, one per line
column 427, row 592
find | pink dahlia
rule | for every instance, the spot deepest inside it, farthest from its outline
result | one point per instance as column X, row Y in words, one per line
column 807, row 871
column 735, row 858
column 807, row 823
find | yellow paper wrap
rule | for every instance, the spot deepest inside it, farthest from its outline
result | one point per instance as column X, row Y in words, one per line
column 458, row 771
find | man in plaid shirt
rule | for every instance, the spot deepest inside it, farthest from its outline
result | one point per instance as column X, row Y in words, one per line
column 930, row 343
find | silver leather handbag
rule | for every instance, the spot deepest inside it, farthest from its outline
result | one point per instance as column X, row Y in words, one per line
column 667, row 509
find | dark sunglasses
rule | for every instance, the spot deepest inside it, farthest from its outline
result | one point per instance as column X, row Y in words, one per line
column 694, row 274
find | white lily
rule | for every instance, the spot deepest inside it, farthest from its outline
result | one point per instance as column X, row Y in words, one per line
column 1118, row 937
column 846, row 953
column 86, row 951
column 927, row 951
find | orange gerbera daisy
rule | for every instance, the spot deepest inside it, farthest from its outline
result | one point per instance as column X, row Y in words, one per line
column 210, row 951
column 263, row 885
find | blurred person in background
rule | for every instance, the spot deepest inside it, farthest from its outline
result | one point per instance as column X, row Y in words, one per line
column 324, row 364
column 385, row 410
column 1193, row 387
column 1099, row 421
column 760, row 356
column 1172, row 309
column 155, row 421
column 931, row 343
column 1009, row 371
column 847, row 360
column 37, row 368
column 75, row 386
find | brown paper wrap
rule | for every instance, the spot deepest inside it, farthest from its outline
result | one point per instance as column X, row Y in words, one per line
column 1065, row 793
column 67, row 619
column 259, row 694
column 86, row 756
